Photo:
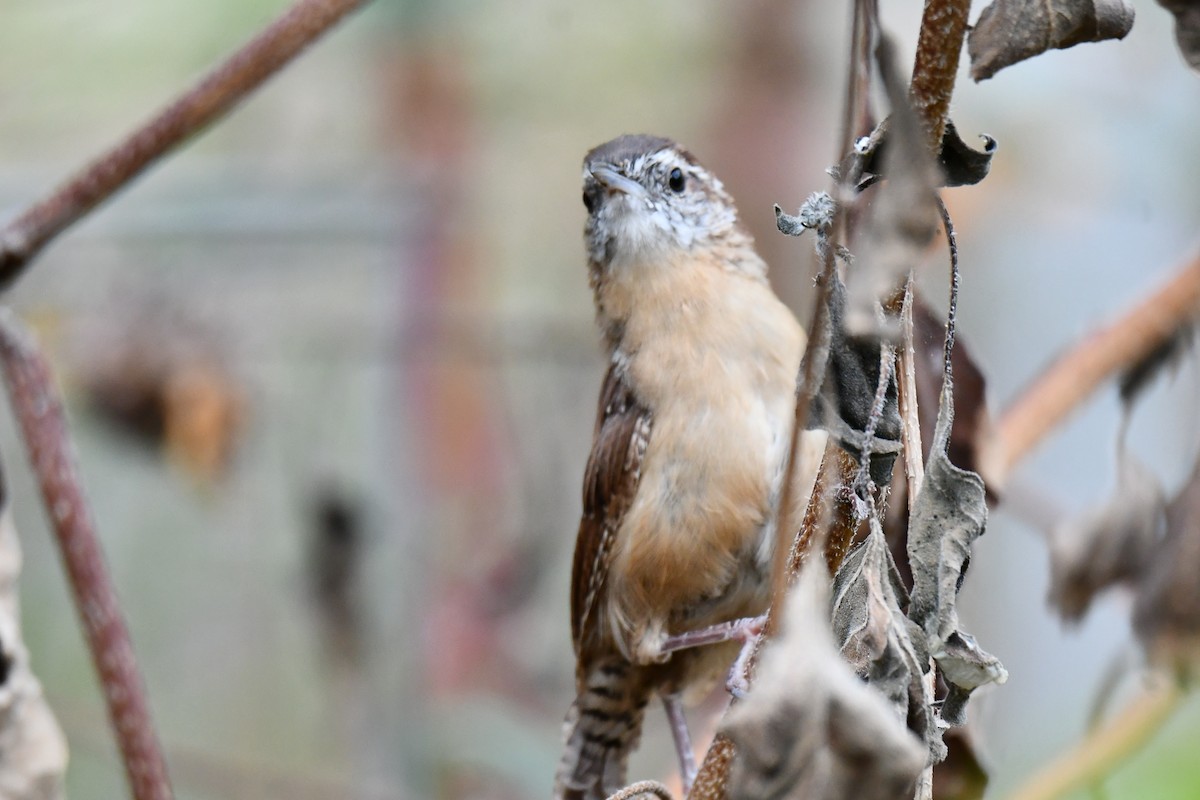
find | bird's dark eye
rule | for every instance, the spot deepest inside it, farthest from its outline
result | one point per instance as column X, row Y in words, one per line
column 589, row 201
column 675, row 180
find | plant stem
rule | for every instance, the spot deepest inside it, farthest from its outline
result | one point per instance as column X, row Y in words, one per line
column 914, row 465
column 1072, row 378
column 939, row 44
column 39, row 411
column 1105, row 747
column 215, row 94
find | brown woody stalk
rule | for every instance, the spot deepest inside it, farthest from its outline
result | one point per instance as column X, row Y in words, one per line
column 914, row 467
column 39, row 410
column 939, row 44
column 1072, row 378
column 25, row 236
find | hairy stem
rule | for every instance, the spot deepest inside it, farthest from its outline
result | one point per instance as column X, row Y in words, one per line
column 39, row 410
column 25, row 236
column 939, row 44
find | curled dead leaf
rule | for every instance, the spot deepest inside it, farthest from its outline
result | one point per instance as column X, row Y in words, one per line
column 962, row 775
column 1187, row 28
column 949, row 514
column 1010, row 31
column 904, row 216
column 1109, row 546
column 1166, row 611
column 959, row 163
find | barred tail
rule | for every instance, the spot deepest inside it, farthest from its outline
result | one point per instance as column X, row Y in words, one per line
column 602, row 728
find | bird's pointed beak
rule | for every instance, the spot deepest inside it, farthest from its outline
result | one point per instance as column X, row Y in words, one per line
column 614, row 181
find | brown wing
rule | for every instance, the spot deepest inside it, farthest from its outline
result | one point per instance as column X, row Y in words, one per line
column 609, row 483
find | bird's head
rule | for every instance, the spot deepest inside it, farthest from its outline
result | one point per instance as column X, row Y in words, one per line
column 649, row 200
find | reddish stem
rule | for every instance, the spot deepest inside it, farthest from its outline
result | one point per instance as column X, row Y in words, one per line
column 1077, row 373
column 939, row 44
column 39, row 410
column 25, row 236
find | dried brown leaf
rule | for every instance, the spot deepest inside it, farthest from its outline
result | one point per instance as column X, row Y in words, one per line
column 904, row 215
column 971, row 417
column 1166, row 611
column 949, row 514
column 961, row 776
column 1109, row 546
column 959, row 163
column 810, row 727
column 1138, row 376
column 970, row 389
column 878, row 640
column 1187, row 28
column 1010, row 31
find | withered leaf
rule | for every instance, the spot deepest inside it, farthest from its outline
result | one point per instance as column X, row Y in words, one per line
column 970, row 416
column 961, row 165
column 1166, row 611
column 1010, row 31
column 1110, row 545
column 1187, row 28
column 811, row 728
column 961, row 776
column 878, row 640
column 1137, row 377
column 904, row 215
column 949, row 514
column 970, row 388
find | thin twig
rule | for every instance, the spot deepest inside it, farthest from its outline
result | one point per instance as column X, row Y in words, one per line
column 25, row 236
column 955, row 282
column 812, row 367
column 1071, row 379
column 910, row 420
column 39, row 410
column 1104, row 748
column 939, row 44
column 862, row 478
column 812, row 374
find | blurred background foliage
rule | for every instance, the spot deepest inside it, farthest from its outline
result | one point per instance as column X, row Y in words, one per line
column 332, row 368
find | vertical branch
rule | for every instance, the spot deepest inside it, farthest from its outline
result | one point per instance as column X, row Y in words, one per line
column 910, row 420
column 39, row 410
column 816, row 354
column 812, row 373
column 940, row 42
column 218, row 92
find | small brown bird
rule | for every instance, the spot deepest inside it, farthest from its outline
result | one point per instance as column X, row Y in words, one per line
column 682, row 486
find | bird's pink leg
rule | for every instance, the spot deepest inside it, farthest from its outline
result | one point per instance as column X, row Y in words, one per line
column 745, row 630
column 683, row 740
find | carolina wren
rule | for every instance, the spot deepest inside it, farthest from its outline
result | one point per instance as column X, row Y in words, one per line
column 681, row 490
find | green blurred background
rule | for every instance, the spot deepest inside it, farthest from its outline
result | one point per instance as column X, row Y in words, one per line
column 332, row 367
